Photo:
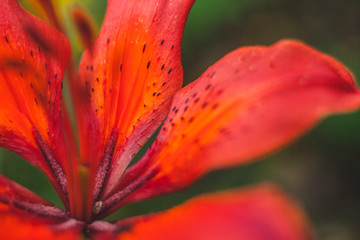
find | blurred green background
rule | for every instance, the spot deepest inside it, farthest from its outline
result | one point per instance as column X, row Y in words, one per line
column 321, row 170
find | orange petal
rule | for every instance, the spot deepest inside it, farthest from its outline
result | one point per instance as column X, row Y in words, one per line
column 20, row 225
column 127, row 81
column 257, row 213
column 251, row 102
column 32, row 60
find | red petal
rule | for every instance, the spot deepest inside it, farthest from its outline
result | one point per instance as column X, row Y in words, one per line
column 17, row 225
column 19, row 197
column 32, row 60
column 253, row 214
column 127, row 81
column 251, row 102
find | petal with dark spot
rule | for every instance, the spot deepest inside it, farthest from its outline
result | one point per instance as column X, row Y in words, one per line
column 250, row 103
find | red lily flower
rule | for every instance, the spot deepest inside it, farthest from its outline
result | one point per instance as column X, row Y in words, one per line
column 249, row 103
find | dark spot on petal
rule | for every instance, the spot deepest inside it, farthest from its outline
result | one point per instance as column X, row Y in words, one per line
column 45, row 65
column 87, row 67
column 108, row 40
column 148, row 65
column 170, row 120
column 219, row 92
column 36, row 101
column 176, row 111
column 6, row 39
column 31, row 85
column 222, row 130
column 120, row 67
column 191, row 119
column 144, row 105
column 194, row 95
column 154, row 93
column 153, row 84
column 187, row 100
column 163, row 83
column 162, row 67
column 215, row 106
column 31, row 53
column 169, row 71
column 162, row 42
column 91, row 67
column 196, row 100
column 174, row 108
column 55, row 76
column 208, row 87
column 158, row 94
column 172, row 46
column 49, row 83
column 182, row 118
column 144, row 48
column 21, row 74
column 164, row 129
column 97, row 79
column 92, row 89
column 204, row 104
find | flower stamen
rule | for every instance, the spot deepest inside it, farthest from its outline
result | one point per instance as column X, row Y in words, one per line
column 124, row 192
column 56, row 169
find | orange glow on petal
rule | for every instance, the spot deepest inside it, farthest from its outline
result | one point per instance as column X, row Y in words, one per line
column 15, row 228
column 4, row 207
column 256, row 213
column 19, row 225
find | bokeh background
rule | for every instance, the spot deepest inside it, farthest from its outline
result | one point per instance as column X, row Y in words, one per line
column 322, row 169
